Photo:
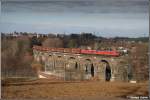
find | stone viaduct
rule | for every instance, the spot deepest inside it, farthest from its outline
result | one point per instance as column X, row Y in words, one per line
column 82, row 67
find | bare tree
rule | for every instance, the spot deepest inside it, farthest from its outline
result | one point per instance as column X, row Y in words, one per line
column 53, row 42
column 15, row 60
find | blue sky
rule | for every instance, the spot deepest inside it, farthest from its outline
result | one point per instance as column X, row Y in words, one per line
column 108, row 18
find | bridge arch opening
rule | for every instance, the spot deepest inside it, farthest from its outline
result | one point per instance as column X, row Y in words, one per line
column 72, row 63
column 92, row 70
column 59, row 56
column 49, row 64
column 59, row 63
column 89, row 68
column 72, row 58
column 76, row 66
column 107, row 70
column 71, row 69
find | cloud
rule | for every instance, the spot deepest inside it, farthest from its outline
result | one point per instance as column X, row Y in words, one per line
column 105, row 17
column 89, row 6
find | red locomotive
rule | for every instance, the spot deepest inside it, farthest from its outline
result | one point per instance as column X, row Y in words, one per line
column 77, row 51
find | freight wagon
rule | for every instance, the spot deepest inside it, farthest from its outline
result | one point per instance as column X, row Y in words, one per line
column 77, row 51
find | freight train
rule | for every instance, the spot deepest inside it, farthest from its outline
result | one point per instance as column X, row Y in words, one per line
column 78, row 51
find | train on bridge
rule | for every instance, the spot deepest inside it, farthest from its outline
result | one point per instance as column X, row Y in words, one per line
column 78, row 51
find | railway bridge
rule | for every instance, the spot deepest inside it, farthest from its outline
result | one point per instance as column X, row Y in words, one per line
column 69, row 66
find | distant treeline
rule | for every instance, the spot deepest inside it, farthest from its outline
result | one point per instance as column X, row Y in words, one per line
column 142, row 39
column 87, row 36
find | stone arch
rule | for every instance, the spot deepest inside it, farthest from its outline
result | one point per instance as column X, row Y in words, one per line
column 59, row 56
column 106, row 69
column 71, row 70
column 49, row 66
column 72, row 63
column 59, row 62
column 88, row 68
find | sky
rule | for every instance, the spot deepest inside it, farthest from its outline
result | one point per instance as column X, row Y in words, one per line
column 109, row 18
